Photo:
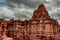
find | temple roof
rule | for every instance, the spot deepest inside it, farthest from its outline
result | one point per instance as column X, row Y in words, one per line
column 41, row 11
column 41, row 5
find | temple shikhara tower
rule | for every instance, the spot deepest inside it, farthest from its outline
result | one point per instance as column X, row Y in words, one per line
column 46, row 25
column 40, row 27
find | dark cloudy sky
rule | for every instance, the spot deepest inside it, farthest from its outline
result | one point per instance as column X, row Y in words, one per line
column 23, row 9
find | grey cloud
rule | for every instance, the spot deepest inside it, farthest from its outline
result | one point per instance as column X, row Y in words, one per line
column 56, row 15
column 21, row 15
column 30, row 4
column 56, row 3
column 4, row 17
column 22, row 12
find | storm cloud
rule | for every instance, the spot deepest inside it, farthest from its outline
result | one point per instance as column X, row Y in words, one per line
column 23, row 9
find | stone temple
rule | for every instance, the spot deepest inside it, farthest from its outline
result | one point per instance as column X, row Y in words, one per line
column 40, row 27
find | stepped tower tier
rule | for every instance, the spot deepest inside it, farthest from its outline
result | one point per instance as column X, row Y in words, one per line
column 41, row 11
